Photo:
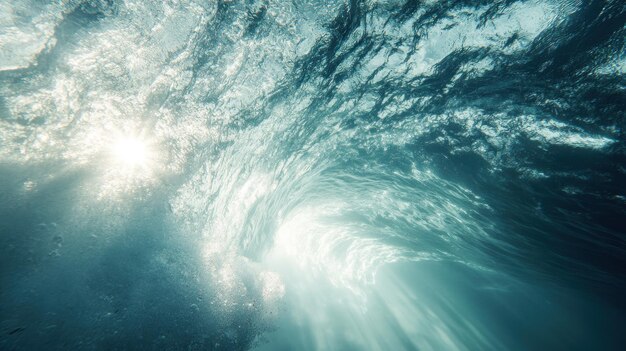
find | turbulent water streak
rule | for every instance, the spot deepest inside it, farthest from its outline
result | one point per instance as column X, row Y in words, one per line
column 432, row 175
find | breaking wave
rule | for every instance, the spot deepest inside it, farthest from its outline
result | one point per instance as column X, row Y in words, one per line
column 312, row 175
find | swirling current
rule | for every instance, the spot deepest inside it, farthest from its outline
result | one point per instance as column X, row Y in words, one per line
column 312, row 175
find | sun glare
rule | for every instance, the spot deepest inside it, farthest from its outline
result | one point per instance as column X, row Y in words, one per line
column 133, row 156
column 132, row 163
column 131, row 152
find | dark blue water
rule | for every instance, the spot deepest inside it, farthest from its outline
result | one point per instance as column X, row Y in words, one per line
column 312, row 175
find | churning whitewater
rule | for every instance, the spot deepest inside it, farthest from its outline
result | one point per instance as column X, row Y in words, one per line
column 312, row 175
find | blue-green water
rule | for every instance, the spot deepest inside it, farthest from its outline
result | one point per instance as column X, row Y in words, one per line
column 312, row 175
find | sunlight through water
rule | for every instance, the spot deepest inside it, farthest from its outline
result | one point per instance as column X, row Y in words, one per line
column 131, row 152
column 312, row 175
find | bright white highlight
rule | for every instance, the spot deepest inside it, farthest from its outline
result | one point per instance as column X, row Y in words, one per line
column 131, row 152
column 132, row 162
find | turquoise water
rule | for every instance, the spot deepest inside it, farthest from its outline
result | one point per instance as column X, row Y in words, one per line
column 312, row 175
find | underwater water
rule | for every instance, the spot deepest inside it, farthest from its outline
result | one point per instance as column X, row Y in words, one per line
column 312, row 175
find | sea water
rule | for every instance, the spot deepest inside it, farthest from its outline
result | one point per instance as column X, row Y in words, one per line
column 312, row 175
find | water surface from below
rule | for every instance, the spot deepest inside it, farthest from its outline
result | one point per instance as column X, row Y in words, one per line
column 279, row 175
